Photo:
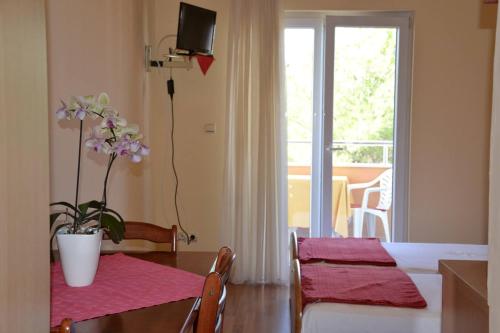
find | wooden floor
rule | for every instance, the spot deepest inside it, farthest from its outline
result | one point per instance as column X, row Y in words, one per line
column 257, row 309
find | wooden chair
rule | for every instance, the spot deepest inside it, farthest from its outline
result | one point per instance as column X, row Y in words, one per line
column 207, row 318
column 152, row 233
column 65, row 327
column 224, row 263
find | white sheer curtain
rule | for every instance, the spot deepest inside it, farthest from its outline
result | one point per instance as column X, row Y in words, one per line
column 255, row 175
column 494, row 204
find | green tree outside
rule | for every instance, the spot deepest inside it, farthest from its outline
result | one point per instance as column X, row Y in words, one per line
column 364, row 90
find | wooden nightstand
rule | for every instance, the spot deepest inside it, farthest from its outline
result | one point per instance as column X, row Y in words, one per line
column 465, row 302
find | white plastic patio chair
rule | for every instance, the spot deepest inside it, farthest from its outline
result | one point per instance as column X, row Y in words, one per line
column 384, row 204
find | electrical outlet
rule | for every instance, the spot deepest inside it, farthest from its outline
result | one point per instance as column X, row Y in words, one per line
column 181, row 237
column 210, row 128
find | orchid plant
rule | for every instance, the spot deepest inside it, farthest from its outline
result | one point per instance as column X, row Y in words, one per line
column 114, row 137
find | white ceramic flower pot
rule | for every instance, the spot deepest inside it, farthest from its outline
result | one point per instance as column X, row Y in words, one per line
column 79, row 257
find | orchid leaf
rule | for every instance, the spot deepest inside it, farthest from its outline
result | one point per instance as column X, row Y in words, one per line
column 53, row 218
column 92, row 216
column 94, row 204
column 115, row 213
column 83, row 208
column 113, row 227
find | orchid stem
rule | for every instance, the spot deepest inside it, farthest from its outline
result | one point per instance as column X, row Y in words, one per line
column 104, row 200
column 75, row 224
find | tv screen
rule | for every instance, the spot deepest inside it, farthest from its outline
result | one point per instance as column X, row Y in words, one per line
column 196, row 29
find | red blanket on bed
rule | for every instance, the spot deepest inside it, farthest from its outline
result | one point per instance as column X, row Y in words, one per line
column 359, row 285
column 352, row 251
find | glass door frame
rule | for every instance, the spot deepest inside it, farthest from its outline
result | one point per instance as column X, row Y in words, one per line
column 315, row 22
column 404, row 42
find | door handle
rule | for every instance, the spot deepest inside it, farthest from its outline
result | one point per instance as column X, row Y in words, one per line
column 332, row 148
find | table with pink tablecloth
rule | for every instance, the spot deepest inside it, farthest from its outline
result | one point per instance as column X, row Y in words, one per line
column 122, row 283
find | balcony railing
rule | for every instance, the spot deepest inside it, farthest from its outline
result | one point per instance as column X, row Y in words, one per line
column 346, row 152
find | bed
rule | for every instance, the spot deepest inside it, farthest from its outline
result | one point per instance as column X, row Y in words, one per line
column 424, row 257
column 419, row 260
column 351, row 318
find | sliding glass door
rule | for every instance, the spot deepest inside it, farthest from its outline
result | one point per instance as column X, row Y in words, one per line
column 362, row 142
column 303, row 63
column 348, row 123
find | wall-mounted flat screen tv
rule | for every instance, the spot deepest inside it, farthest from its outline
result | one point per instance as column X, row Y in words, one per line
column 196, row 30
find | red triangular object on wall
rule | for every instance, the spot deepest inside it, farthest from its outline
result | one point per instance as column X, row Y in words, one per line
column 204, row 61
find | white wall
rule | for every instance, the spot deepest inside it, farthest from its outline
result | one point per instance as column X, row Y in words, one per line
column 107, row 55
column 95, row 46
column 199, row 156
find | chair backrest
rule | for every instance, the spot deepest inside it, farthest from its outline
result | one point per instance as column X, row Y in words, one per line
column 224, row 263
column 212, row 302
column 385, row 184
column 222, row 267
column 152, row 233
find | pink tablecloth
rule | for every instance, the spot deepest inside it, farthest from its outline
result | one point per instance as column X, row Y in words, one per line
column 122, row 283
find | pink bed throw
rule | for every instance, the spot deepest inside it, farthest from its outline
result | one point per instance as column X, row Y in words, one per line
column 350, row 251
column 388, row 286
column 122, row 283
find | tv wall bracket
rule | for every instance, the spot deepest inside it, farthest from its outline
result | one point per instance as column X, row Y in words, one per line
column 170, row 60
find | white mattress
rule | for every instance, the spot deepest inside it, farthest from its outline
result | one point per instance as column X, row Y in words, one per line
column 350, row 318
column 424, row 257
